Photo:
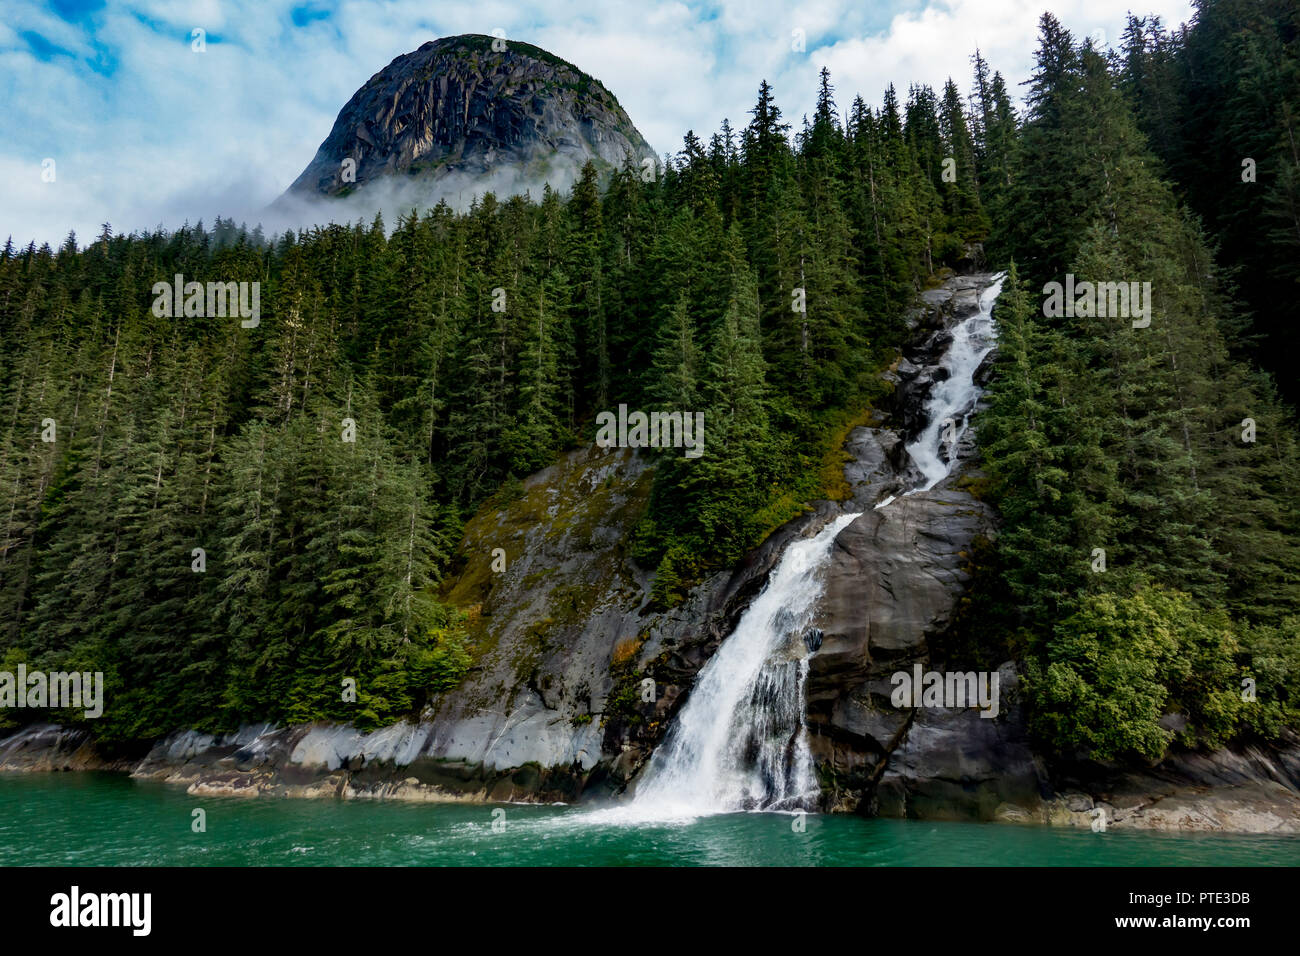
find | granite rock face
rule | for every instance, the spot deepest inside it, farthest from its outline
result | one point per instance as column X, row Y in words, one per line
column 459, row 114
column 895, row 578
column 567, row 630
column 49, row 747
column 560, row 615
column 892, row 588
column 577, row 677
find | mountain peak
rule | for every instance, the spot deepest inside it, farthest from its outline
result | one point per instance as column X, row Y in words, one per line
column 459, row 113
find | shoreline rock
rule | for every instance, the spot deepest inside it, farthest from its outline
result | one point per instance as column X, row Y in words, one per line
column 939, row 769
column 566, row 629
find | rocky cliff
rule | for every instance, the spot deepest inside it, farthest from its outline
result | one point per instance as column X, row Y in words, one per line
column 462, row 115
column 556, row 707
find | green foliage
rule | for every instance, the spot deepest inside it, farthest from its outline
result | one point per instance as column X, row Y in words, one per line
column 1118, row 665
column 1208, row 98
column 1271, row 656
column 674, row 576
column 1116, row 453
column 760, row 280
column 469, row 350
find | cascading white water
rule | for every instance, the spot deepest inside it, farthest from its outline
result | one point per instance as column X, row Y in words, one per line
column 740, row 741
column 952, row 399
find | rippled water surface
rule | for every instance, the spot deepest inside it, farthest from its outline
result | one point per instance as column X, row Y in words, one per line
column 108, row 819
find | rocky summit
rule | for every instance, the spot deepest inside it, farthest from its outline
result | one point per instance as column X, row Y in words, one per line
column 465, row 114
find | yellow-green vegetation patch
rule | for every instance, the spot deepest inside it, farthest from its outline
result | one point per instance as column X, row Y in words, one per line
column 823, row 479
column 835, row 486
column 564, row 508
column 938, row 277
column 624, row 700
column 626, row 650
column 979, row 486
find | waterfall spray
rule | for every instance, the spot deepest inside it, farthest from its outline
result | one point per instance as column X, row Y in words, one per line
column 740, row 742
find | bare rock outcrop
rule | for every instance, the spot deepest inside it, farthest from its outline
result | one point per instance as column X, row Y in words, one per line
column 554, row 708
column 467, row 114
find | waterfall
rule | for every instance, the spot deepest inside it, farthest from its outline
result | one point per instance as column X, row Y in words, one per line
column 951, row 401
column 740, row 742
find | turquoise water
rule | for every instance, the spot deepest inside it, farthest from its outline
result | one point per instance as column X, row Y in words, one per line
column 96, row 819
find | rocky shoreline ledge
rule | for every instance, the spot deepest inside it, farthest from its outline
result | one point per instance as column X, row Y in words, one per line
column 1226, row 792
column 546, row 714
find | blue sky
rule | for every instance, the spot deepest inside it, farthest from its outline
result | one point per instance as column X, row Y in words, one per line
column 144, row 130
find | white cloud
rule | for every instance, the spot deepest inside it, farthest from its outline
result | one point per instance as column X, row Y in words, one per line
column 932, row 44
column 174, row 134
